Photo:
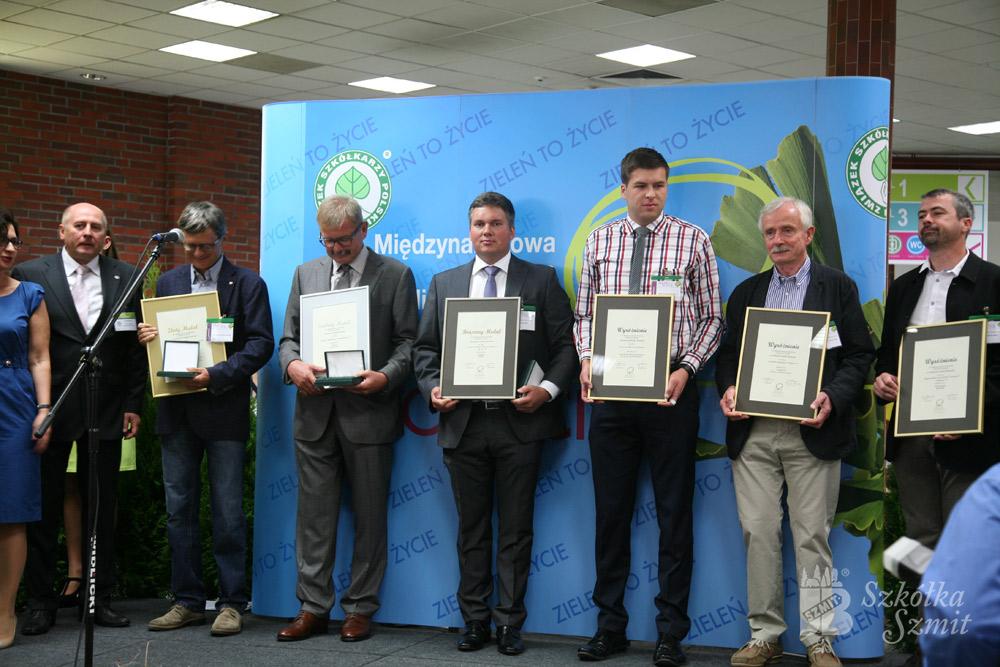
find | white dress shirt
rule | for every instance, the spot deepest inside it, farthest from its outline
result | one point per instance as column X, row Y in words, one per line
column 91, row 283
column 477, row 287
column 930, row 308
column 357, row 268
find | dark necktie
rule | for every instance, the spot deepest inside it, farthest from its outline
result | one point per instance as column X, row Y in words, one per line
column 343, row 277
column 638, row 257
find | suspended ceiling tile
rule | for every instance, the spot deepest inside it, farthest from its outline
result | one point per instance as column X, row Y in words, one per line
column 18, row 64
column 167, row 61
column 27, row 35
column 982, row 54
column 654, row 31
column 292, row 82
column 123, row 34
column 425, row 55
column 415, row 30
column 115, row 68
column 229, row 72
column 720, row 17
column 154, row 87
column 803, row 67
column 98, row 47
column 115, row 11
column 965, row 12
column 381, row 66
column 596, row 17
column 468, row 16
column 478, row 42
column 49, row 20
column 535, row 53
column 254, row 41
column 757, row 56
column 314, row 53
column 528, row 7
column 296, row 28
column 365, row 42
column 330, row 74
column 533, row 30
column 52, row 55
column 284, row 7
column 408, row 8
column 911, row 25
column 346, row 16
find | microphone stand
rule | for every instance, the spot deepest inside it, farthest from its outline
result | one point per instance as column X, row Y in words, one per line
column 91, row 364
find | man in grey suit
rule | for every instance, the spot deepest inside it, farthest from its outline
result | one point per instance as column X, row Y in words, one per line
column 347, row 430
column 487, row 442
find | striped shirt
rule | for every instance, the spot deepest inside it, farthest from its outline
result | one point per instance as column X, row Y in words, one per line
column 673, row 248
column 788, row 292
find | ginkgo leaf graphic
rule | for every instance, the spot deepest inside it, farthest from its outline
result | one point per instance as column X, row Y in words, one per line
column 880, row 165
column 352, row 183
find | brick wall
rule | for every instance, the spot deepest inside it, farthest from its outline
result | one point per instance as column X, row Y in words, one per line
column 139, row 157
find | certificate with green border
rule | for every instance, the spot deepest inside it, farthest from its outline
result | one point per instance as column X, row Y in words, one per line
column 781, row 362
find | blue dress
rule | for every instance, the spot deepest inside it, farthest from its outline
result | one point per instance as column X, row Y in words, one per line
column 20, row 468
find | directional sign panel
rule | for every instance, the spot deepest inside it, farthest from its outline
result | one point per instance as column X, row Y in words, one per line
column 904, row 246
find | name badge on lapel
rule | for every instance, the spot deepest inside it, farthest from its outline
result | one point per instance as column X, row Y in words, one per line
column 528, row 318
column 220, row 329
column 125, row 322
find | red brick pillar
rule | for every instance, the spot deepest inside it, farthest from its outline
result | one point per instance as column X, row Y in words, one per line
column 861, row 39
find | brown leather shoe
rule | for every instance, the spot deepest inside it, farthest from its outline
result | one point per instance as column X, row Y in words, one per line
column 356, row 628
column 304, row 626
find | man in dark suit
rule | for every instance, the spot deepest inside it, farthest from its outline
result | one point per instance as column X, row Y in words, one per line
column 770, row 453
column 346, row 431
column 489, row 443
column 81, row 288
column 216, row 424
column 952, row 285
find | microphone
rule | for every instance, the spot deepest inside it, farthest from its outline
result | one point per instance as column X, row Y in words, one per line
column 175, row 235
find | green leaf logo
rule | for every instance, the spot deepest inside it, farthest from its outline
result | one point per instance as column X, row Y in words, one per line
column 352, row 183
column 880, row 164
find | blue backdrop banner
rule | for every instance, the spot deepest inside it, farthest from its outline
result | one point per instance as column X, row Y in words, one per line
column 416, row 163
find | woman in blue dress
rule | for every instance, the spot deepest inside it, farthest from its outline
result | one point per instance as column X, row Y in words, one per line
column 24, row 401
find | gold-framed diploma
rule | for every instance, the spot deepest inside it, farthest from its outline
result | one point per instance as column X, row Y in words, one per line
column 479, row 348
column 180, row 319
column 630, row 355
column 336, row 321
column 781, row 362
column 942, row 370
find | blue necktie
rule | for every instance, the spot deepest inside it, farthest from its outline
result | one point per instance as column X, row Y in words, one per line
column 491, row 280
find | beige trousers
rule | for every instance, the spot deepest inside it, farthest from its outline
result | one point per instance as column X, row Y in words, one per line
column 775, row 456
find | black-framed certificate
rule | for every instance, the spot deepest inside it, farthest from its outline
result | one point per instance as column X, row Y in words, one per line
column 781, row 362
column 479, row 348
column 630, row 354
column 941, row 376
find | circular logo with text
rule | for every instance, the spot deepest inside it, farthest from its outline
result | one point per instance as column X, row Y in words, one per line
column 868, row 171
column 895, row 245
column 356, row 174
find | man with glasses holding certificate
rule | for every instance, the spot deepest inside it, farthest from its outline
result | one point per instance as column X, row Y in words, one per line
column 953, row 284
column 498, row 442
column 804, row 456
column 346, row 432
column 194, row 426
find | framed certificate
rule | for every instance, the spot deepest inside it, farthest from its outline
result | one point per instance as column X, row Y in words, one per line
column 781, row 362
column 479, row 348
column 941, row 376
column 333, row 322
column 630, row 355
column 179, row 319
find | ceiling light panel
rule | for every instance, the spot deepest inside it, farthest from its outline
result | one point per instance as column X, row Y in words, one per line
column 388, row 84
column 979, row 128
column 207, row 51
column 224, row 13
column 646, row 55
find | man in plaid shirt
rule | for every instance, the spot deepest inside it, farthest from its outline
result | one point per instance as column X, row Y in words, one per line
column 648, row 252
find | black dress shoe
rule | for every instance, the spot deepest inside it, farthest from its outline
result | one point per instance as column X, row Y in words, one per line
column 37, row 621
column 668, row 652
column 109, row 618
column 477, row 633
column 603, row 645
column 509, row 640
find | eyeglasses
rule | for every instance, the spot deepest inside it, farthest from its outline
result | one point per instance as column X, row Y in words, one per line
column 340, row 240
column 16, row 242
column 204, row 247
